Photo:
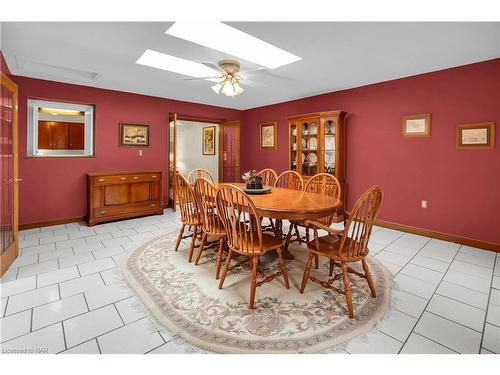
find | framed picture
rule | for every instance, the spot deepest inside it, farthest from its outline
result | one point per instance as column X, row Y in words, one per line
column 417, row 125
column 268, row 136
column 208, row 140
column 134, row 135
column 476, row 136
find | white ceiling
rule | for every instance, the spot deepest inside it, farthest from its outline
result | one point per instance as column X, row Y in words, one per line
column 335, row 55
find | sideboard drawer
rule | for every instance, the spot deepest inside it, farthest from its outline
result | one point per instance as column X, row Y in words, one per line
column 143, row 177
column 103, row 180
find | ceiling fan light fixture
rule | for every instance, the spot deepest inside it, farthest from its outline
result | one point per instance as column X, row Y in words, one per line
column 237, row 89
column 217, row 87
column 227, row 89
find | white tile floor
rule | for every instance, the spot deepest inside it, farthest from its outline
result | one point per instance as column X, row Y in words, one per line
column 65, row 294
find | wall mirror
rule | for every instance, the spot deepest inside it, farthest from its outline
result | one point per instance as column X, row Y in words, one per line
column 57, row 129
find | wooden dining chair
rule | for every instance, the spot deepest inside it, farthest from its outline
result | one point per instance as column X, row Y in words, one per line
column 198, row 173
column 190, row 215
column 213, row 229
column 347, row 246
column 269, row 177
column 290, row 180
column 321, row 183
column 245, row 237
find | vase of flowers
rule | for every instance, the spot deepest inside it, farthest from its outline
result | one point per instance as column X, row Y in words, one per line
column 253, row 180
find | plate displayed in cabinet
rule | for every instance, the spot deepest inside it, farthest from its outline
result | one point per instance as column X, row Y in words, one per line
column 313, row 128
column 312, row 144
column 312, row 158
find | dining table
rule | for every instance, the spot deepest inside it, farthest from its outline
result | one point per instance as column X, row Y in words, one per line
column 288, row 204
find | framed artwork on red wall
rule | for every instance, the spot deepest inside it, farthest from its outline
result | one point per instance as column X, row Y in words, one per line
column 417, row 125
column 134, row 135
column 476, row 136
column 268, row 136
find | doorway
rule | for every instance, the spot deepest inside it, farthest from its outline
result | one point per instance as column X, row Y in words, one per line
column 186, row 149
column 9, row 207
column 229, row 151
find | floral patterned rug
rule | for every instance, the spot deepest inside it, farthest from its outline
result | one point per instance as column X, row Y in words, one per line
column 185, row 299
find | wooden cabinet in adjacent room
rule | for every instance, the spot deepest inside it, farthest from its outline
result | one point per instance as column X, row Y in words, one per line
column 120, row 195
column 54, row 135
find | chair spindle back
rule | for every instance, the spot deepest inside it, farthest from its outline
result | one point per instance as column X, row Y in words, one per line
column 327, row 184
column 359, row 225
column 240, row 219
column 184, row 195
column 269, row 177
column 199, row 173
column 204, row 192
column 290, row 180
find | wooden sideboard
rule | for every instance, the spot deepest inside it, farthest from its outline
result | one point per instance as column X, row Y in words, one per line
column 120, row 195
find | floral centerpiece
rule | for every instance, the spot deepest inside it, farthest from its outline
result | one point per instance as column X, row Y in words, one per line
column 253, row 180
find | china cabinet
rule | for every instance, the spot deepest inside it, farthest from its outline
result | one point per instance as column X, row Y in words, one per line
column 317, row 144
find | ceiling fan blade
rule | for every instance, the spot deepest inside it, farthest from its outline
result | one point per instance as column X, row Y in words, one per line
column 200, row 78
column 214, row 67
column 252, row 71
column 249, row 82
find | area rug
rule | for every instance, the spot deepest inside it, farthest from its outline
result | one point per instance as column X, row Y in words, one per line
column 185, row 299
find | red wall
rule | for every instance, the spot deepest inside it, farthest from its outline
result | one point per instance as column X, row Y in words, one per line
column 462, row 186
column 55, row 188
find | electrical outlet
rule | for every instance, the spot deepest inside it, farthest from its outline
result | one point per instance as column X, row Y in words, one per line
column 140, row 152
column 423, row 204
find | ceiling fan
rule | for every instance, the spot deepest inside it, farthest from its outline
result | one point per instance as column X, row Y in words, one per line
column 230, row 77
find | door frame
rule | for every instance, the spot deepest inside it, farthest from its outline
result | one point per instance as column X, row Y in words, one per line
column 12, row 251
column 227, row 124
column 174, row 116
column 172, row 150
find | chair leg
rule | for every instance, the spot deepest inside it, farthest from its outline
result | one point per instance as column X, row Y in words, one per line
column 347, row 288
column 297, row 233
column 219, row 258
column 283, row 269
column 307, row 234
column 253, row 283
column 316, row 261
column 226, row 267
column 200, row 249
column 179, row 237
column 369, row 278
column 332, row 264
column 306, row 273
column 288, row 236
column 191, row 248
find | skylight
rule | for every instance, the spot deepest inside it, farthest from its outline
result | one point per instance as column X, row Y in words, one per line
column 227, row 39
column 175, row 64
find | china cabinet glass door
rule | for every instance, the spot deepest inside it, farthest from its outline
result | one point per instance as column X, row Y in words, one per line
column 309, row 143
column 329, row 130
